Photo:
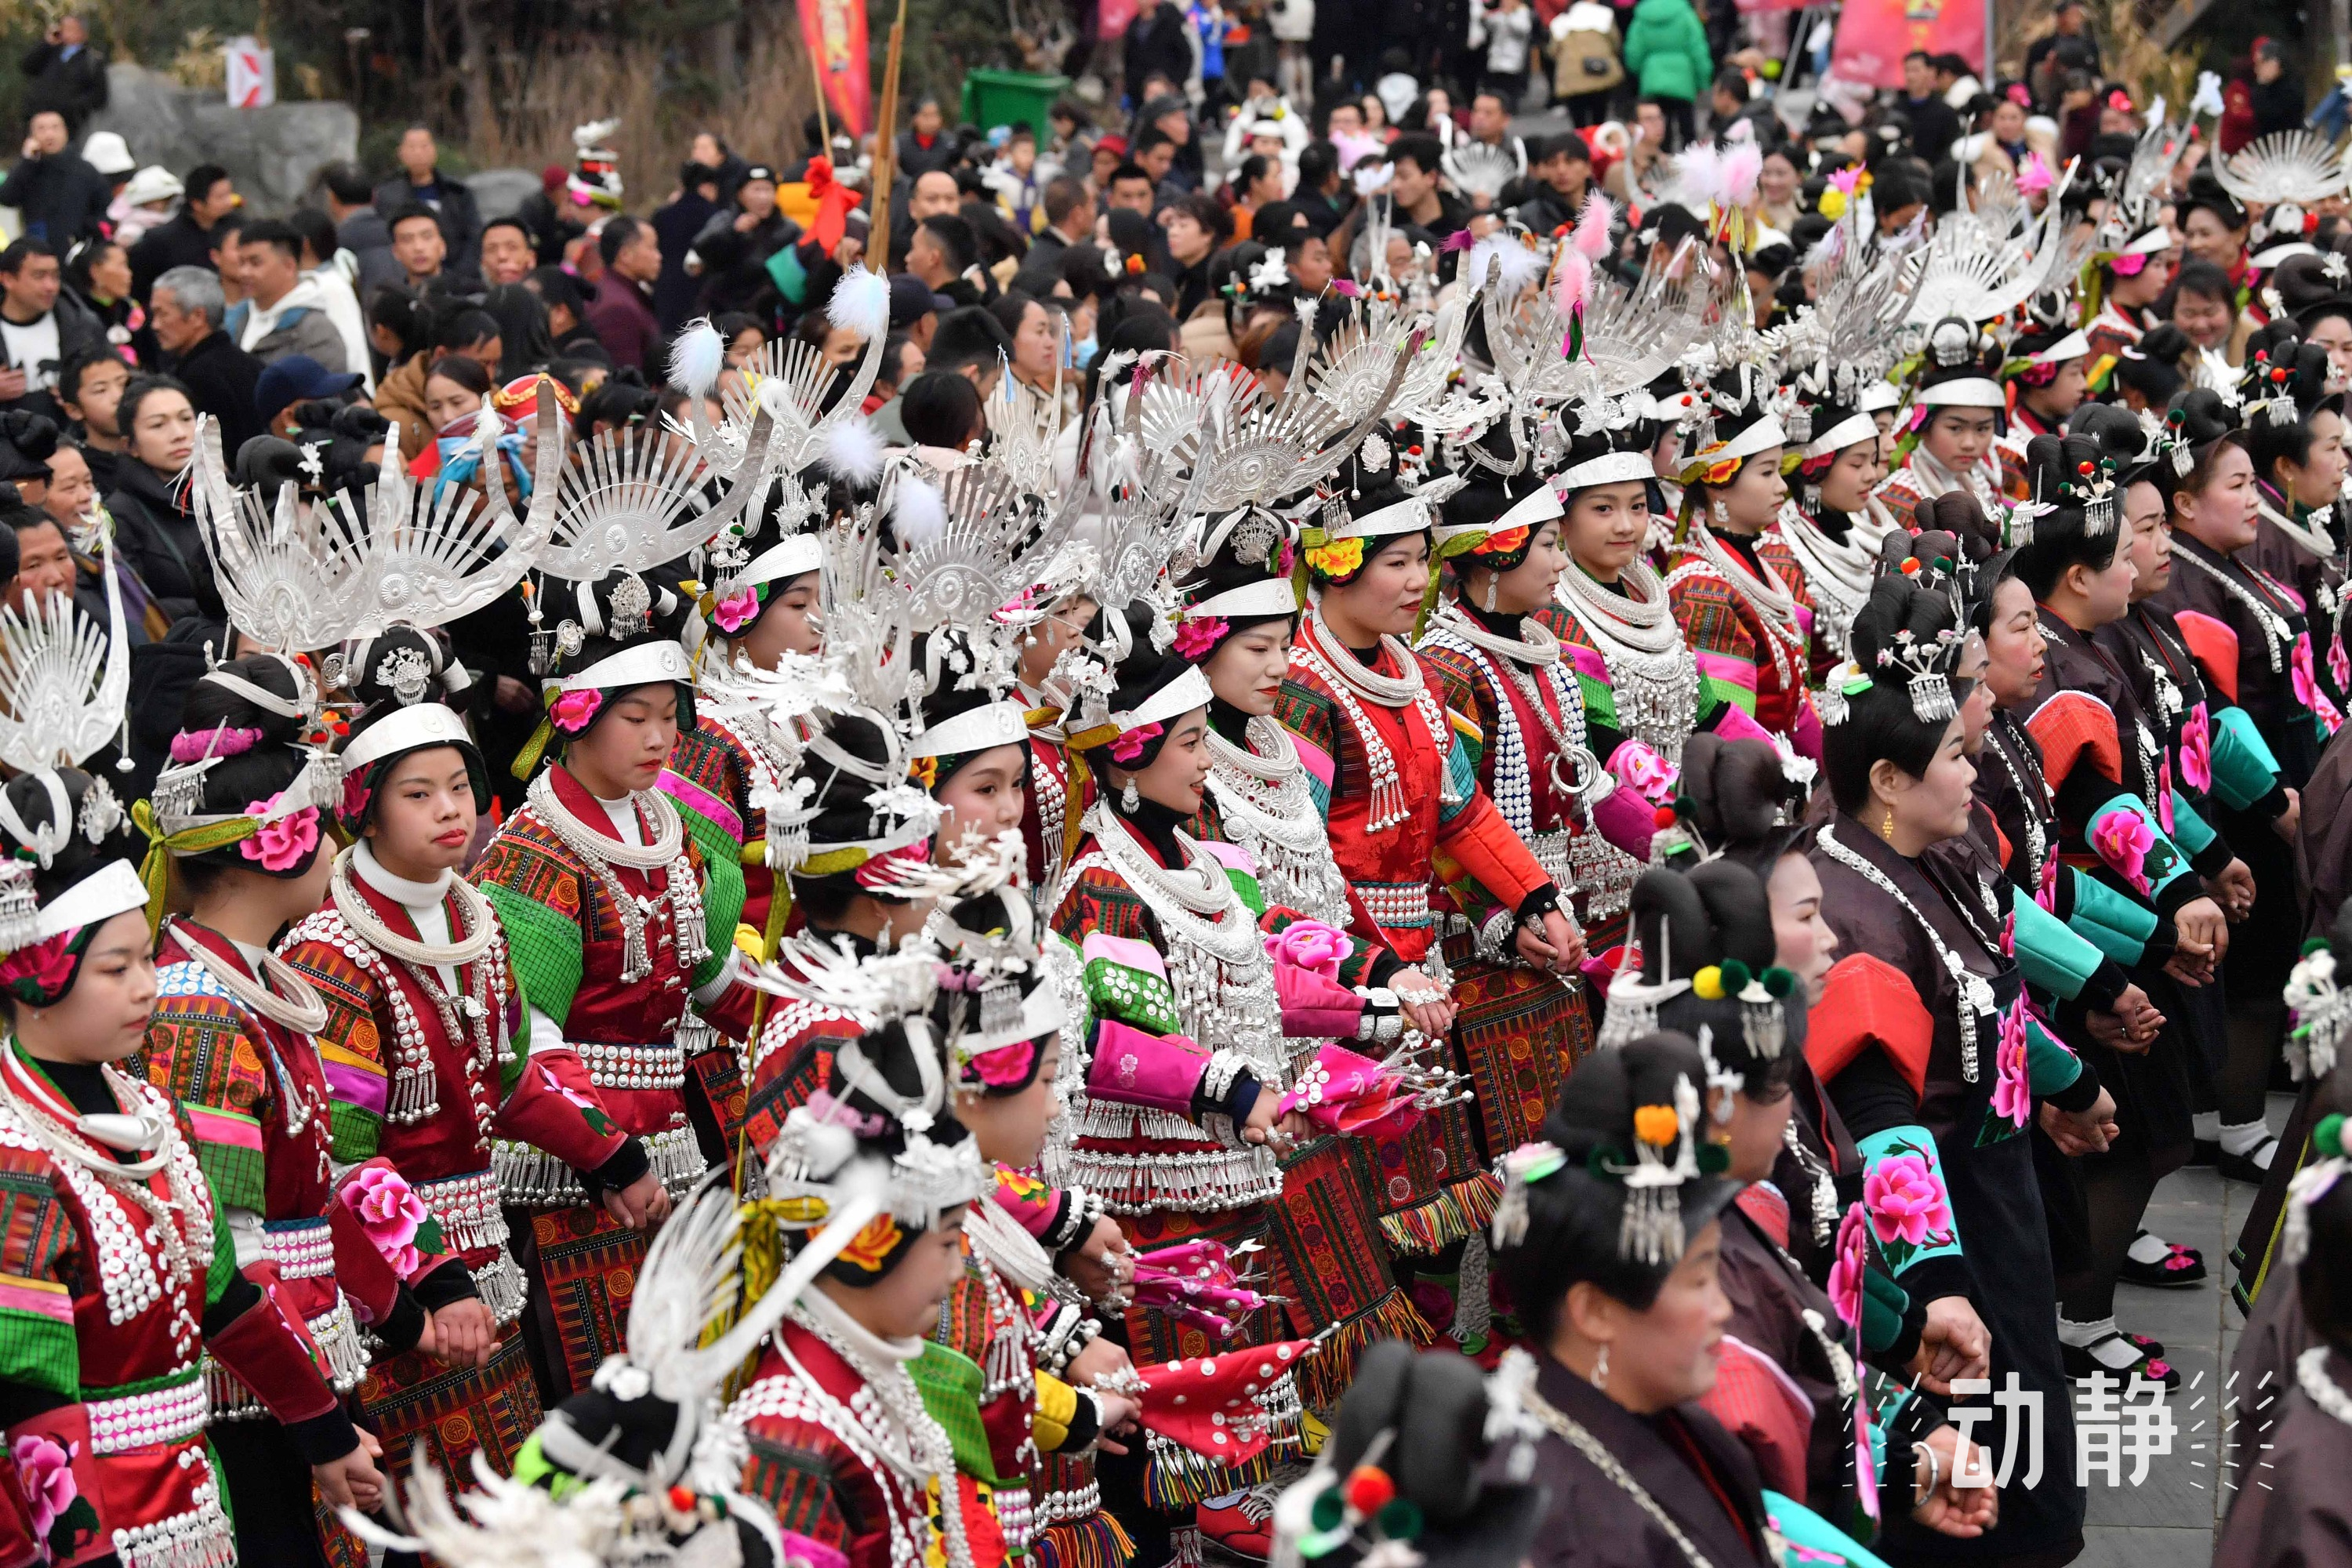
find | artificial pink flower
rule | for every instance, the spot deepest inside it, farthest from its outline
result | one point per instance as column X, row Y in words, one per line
column 732, row 614
column 2307, row 689
column 194, row 746
column 280, row 845
column 1906, row 1200
column 573, row 710
column 2128, row 266
column 2034, row 176
column 390, row 1212
column 355, row 795
column 2339, row 665
column 36, row 973
column 1196, row 636
column 2123, row 839
column 1006, row 1065
column 44, row 1473
column 2197, row 749
column 1645, row 771
column 1310, row 944
column 1130, row 746
column 2013, row 1091
column 1845, row 1286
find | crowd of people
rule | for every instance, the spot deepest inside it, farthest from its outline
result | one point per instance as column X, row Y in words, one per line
column 1301, row 833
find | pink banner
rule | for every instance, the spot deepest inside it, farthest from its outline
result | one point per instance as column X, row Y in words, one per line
column 1873, row 36
column 833, row 31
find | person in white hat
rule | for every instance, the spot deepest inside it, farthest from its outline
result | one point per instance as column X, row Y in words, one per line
column 144, row 201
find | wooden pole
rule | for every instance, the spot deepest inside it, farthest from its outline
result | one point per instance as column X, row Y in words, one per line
column 823, row 122
column 886, row 145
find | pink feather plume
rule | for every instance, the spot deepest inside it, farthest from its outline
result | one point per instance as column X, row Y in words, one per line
column 1593, row 226
column 1573, row 279
column 1741, row 165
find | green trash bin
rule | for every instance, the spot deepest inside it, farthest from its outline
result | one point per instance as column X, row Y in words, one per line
column 993, row 97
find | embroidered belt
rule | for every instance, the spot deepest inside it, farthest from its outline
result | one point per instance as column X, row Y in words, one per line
column 1014, row 1514
column 1396, row 906
column 1602, row 873
column 170, row 1414
column 1060, row 1508
column 531, row 1177
column 471, row 1220
column 342, row 1349
column 302, row 1248
column 200, row 1538
column 655, row 1066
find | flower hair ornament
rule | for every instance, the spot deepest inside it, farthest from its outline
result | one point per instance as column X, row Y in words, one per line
column 2321, row 1010
column 2311, row 1184
column 1922, row 666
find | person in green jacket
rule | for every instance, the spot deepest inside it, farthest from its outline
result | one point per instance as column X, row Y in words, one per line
column 1665, row 48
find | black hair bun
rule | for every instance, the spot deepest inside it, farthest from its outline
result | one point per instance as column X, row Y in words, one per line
column 1735, row 790
column 2204, row 417
column 29, row 794
column 1897, row 604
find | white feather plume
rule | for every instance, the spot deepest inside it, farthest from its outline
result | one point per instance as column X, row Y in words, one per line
column 860, row 303
column 1372, row 177
column 918, row 515
column 853, row 451
column 2208, row 99
column 696, row 358
column 1520, row 265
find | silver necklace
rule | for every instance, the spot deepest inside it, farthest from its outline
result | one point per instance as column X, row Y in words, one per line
column 2311, row 1372
column 2277, row 632
column 1264, row 802
column 1348, row 679
column 1652, row 671
column 287, row 1000
column 1975, row 991
column 1563, row 1425
column 478, row 919
column 1775, row 605
column 2036, row 802
column 600, row 852
column 1837, row 575
column 1507, row 660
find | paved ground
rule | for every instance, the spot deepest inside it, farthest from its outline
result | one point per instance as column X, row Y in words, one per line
column 2170, row 1521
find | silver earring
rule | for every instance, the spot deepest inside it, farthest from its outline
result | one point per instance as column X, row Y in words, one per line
column 1128, row 799
column 1601, row 1371
column 1722, row 512
column 1494, row 587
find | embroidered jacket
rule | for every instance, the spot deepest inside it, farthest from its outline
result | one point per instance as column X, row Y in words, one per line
column 440, row 1090
column 256, row 1097
column 108, row 1300
column 1389, row 866
column 571, row 955
column 2253, row 641
column 1759, row 669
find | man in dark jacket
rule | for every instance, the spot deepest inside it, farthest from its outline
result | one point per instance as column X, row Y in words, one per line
column 623, row 311
column 64, row 73
column 421, row 183
column 675, row 225
column 62, row 198
column 1069, row 220
column 359, row 228
column 186, row 240
column 566, row 299
column 40, row 326
column 187, row 311
column 734, row 249
column 1156, row 42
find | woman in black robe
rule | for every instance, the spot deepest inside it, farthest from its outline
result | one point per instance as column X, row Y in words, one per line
column 1928, row 1054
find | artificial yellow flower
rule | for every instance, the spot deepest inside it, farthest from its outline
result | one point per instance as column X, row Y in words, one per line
column 1337, row 559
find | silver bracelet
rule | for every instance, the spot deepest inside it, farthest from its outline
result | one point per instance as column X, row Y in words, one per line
column 1217, row 1080
column 1935, row 1475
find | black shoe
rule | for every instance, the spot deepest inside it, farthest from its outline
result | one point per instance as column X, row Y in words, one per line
column 2245, row 1167
column 2204, row 1150
column 2181, row 1268
column 2080, row 1362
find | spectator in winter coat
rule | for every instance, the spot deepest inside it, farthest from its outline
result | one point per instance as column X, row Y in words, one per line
column 154, row 531
column 566, row 299
column 65, row 74
column 676, row 226
column 734, row 247
column 1665, row 48
column 2277, row 95
column 421, row 183
column 419, row 244
column 186, row 240
column 921, row 146
column 40, row 325
column 1158, row 40
column 285, row 311
column 622, row 311
column 186, row 312
column 61, row 198
column 359, row 228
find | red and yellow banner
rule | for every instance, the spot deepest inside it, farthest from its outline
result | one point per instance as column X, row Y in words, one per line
column 1873, row 36
column 835, row 34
